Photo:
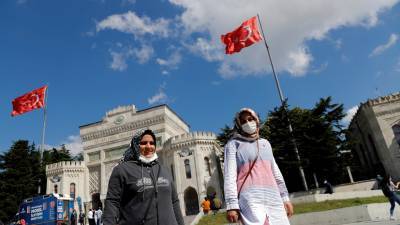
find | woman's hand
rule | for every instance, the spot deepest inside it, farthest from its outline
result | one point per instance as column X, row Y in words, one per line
column 232, row 215
column 289, row 208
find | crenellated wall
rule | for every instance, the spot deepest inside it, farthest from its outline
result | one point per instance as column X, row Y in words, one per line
column 384, row 99
column 65, row 173
column 188, row 139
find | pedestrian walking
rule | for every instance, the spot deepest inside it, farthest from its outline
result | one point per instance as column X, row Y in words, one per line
column 206, row 205
column 82, row 218
column 91, row 217
column 141, row 191
column 215, row 204
column 99, row 214
column 73, row 217
column 255, row 191
column 328, row 187
column 388, row 189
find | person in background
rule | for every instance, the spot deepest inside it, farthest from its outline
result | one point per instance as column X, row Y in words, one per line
column 205, row 204
column 81, row 218
column 73, row 217
column 91, row 217
column 216, row 203
column 141, row 191
column 328, row 187
column 255, row 191
column 388, row 189
column 99, row 213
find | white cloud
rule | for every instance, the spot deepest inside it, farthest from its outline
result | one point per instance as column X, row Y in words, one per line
column 288, row 25
column 138, row 26
column 164, row 72
column 74, row 144
column 338, row 43
column 159, row 97
column 288, row 28
column 299, row 61
column 143, row 54
column 381, row 48
column 208, row 51
column 118, row 61
column 172, row 61
column 350, row 114
column 321, row 68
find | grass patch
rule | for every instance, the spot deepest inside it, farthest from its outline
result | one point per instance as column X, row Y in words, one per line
column 220, row 218
column 336, row 204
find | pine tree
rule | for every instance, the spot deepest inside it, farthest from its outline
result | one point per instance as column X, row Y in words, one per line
column 19, row 177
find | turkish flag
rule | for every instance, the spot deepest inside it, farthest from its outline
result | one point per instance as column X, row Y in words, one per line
column 29, row 101
column 244, row 36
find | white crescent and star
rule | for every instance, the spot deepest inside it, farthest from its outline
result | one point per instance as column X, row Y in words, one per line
column 249, row 33
column 32, row 100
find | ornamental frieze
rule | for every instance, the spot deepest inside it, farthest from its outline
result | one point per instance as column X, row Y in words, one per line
column 386, row 112
column 120, row 129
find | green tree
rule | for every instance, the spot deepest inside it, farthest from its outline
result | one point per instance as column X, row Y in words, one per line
column 276, row 130
column 319, row 136
column 19, row 177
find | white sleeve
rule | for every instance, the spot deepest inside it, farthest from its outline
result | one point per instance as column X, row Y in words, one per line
column 230, row 176
column 280, row 181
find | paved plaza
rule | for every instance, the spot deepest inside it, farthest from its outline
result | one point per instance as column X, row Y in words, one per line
column 382, row 222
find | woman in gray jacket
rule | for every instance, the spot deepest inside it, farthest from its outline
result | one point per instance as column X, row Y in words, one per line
column 140, row 190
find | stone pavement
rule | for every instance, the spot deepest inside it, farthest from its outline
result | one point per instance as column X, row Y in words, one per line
column 382, row 222
column 188, row 219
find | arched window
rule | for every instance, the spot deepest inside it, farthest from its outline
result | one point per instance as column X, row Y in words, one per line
column 396, row 132
column 55, row 188
column 72, row 190
column 207, row 165
column 187, row 169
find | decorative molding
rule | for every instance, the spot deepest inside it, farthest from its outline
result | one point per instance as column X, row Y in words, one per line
column 185, row 152
column 123, row 128
column 384, row 99
column 386, row 112
column 121, row 109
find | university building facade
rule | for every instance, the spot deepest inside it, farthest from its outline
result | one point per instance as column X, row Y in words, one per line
column 375, row 134
column 193, row 158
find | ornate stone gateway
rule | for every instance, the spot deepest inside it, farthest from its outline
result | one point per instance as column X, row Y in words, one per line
column 191, row 201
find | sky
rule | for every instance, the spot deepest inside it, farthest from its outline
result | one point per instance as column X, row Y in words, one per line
column 96, row 55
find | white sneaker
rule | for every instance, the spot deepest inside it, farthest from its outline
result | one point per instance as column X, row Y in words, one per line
column 392, row 218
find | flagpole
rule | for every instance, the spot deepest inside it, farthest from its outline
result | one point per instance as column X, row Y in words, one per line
column 284, row 107
column 43, row 134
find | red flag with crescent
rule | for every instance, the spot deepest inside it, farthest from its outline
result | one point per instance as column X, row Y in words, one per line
column 29, row 101
column 244, row 36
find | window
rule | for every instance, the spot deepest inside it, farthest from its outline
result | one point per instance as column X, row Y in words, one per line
column 187, row 169
column 396, row 132
column 207, row 165
column 115, row 153
column 94, row 156
column 72, row 190
column 55, row 188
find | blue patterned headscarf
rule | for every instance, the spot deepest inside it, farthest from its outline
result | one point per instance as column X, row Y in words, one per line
column 133, row 152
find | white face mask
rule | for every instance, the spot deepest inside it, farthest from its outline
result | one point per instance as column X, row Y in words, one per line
column 250, row 127
column 148, row 160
